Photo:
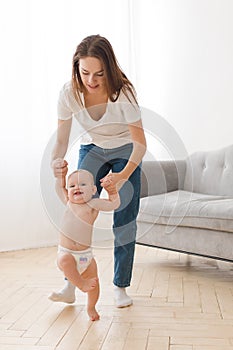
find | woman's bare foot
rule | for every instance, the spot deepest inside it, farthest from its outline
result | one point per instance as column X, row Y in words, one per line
column 93, row 314
column 88, row 284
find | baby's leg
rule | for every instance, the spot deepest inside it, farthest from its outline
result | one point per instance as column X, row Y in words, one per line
column 93, row 295
column 66, row 262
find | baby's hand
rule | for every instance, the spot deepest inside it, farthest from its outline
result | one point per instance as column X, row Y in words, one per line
column 59, row 167
column 106, row 181
column 113, row 179
column 109, row 186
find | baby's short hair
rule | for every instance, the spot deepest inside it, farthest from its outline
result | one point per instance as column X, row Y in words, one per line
column 87, row 172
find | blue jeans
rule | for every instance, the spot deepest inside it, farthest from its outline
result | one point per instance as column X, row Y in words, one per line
column 99, row 162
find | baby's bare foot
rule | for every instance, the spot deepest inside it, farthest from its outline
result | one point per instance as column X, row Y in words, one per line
column 93, row 314
column 89, row 284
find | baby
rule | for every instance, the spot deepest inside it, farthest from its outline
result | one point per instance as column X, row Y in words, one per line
column 75, row 257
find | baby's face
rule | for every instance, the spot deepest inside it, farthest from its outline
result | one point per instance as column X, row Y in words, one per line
column 80, row 188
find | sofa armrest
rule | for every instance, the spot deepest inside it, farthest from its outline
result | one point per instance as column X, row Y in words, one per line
column 162, row 176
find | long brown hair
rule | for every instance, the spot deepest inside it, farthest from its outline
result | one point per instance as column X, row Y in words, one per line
column 99, row 47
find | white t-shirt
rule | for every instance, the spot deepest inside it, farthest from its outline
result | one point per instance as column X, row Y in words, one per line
column 111, row 130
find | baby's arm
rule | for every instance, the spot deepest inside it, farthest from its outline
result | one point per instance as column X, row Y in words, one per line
column 61, row 189
column 112, row 203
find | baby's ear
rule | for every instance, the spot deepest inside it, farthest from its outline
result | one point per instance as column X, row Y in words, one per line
column 94, row 190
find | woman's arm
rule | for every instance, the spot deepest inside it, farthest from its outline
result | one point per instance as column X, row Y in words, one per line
column 63, row 133
column 139, row 149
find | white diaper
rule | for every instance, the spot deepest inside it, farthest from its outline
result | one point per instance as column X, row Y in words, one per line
column 82, row 257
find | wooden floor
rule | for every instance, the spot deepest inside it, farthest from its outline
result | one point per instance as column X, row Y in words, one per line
column 180, row 303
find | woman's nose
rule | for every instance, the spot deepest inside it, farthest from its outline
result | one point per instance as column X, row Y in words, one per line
column 91, row 78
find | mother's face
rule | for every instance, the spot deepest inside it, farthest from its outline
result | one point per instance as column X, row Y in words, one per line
column 92, row 74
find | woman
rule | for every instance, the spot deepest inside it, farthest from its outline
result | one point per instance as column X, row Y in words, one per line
column 103, row 101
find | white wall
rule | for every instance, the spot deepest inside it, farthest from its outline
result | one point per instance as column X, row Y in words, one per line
column 38, row 39
column 183, row 70
column 184, row 60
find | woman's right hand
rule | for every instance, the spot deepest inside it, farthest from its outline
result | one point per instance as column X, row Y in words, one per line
column 60, row 167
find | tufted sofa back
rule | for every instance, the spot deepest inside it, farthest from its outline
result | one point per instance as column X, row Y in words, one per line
column 210, row 172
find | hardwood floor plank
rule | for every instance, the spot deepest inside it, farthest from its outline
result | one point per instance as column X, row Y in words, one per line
column 25, row 347
column 212, row 347
column 116, row 337
column 10, row 333
column 201, row 341
column 23, row 306
column 175, row 289
column 158, row 343
column 17, row 341
column 209, row 302
column 96, row 334
column 60, row 326
column 45, row 321
column 196, row 331
column 191, row 293
column 8, row 305
column 161, row 285
column 136, row 339
column 32, row 314
column 225, row 300
column 181, row 347
column 76, row 333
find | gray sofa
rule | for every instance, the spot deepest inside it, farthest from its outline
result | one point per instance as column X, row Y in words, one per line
column 187, row 205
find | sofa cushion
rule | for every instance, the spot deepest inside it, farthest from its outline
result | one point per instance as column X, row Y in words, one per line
column 184, row 208
column 210, row 172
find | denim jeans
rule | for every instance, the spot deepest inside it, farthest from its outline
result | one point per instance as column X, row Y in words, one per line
column 99, row 162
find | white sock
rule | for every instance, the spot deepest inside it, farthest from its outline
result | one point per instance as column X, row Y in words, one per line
column 121, row 297
column 66, row 294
